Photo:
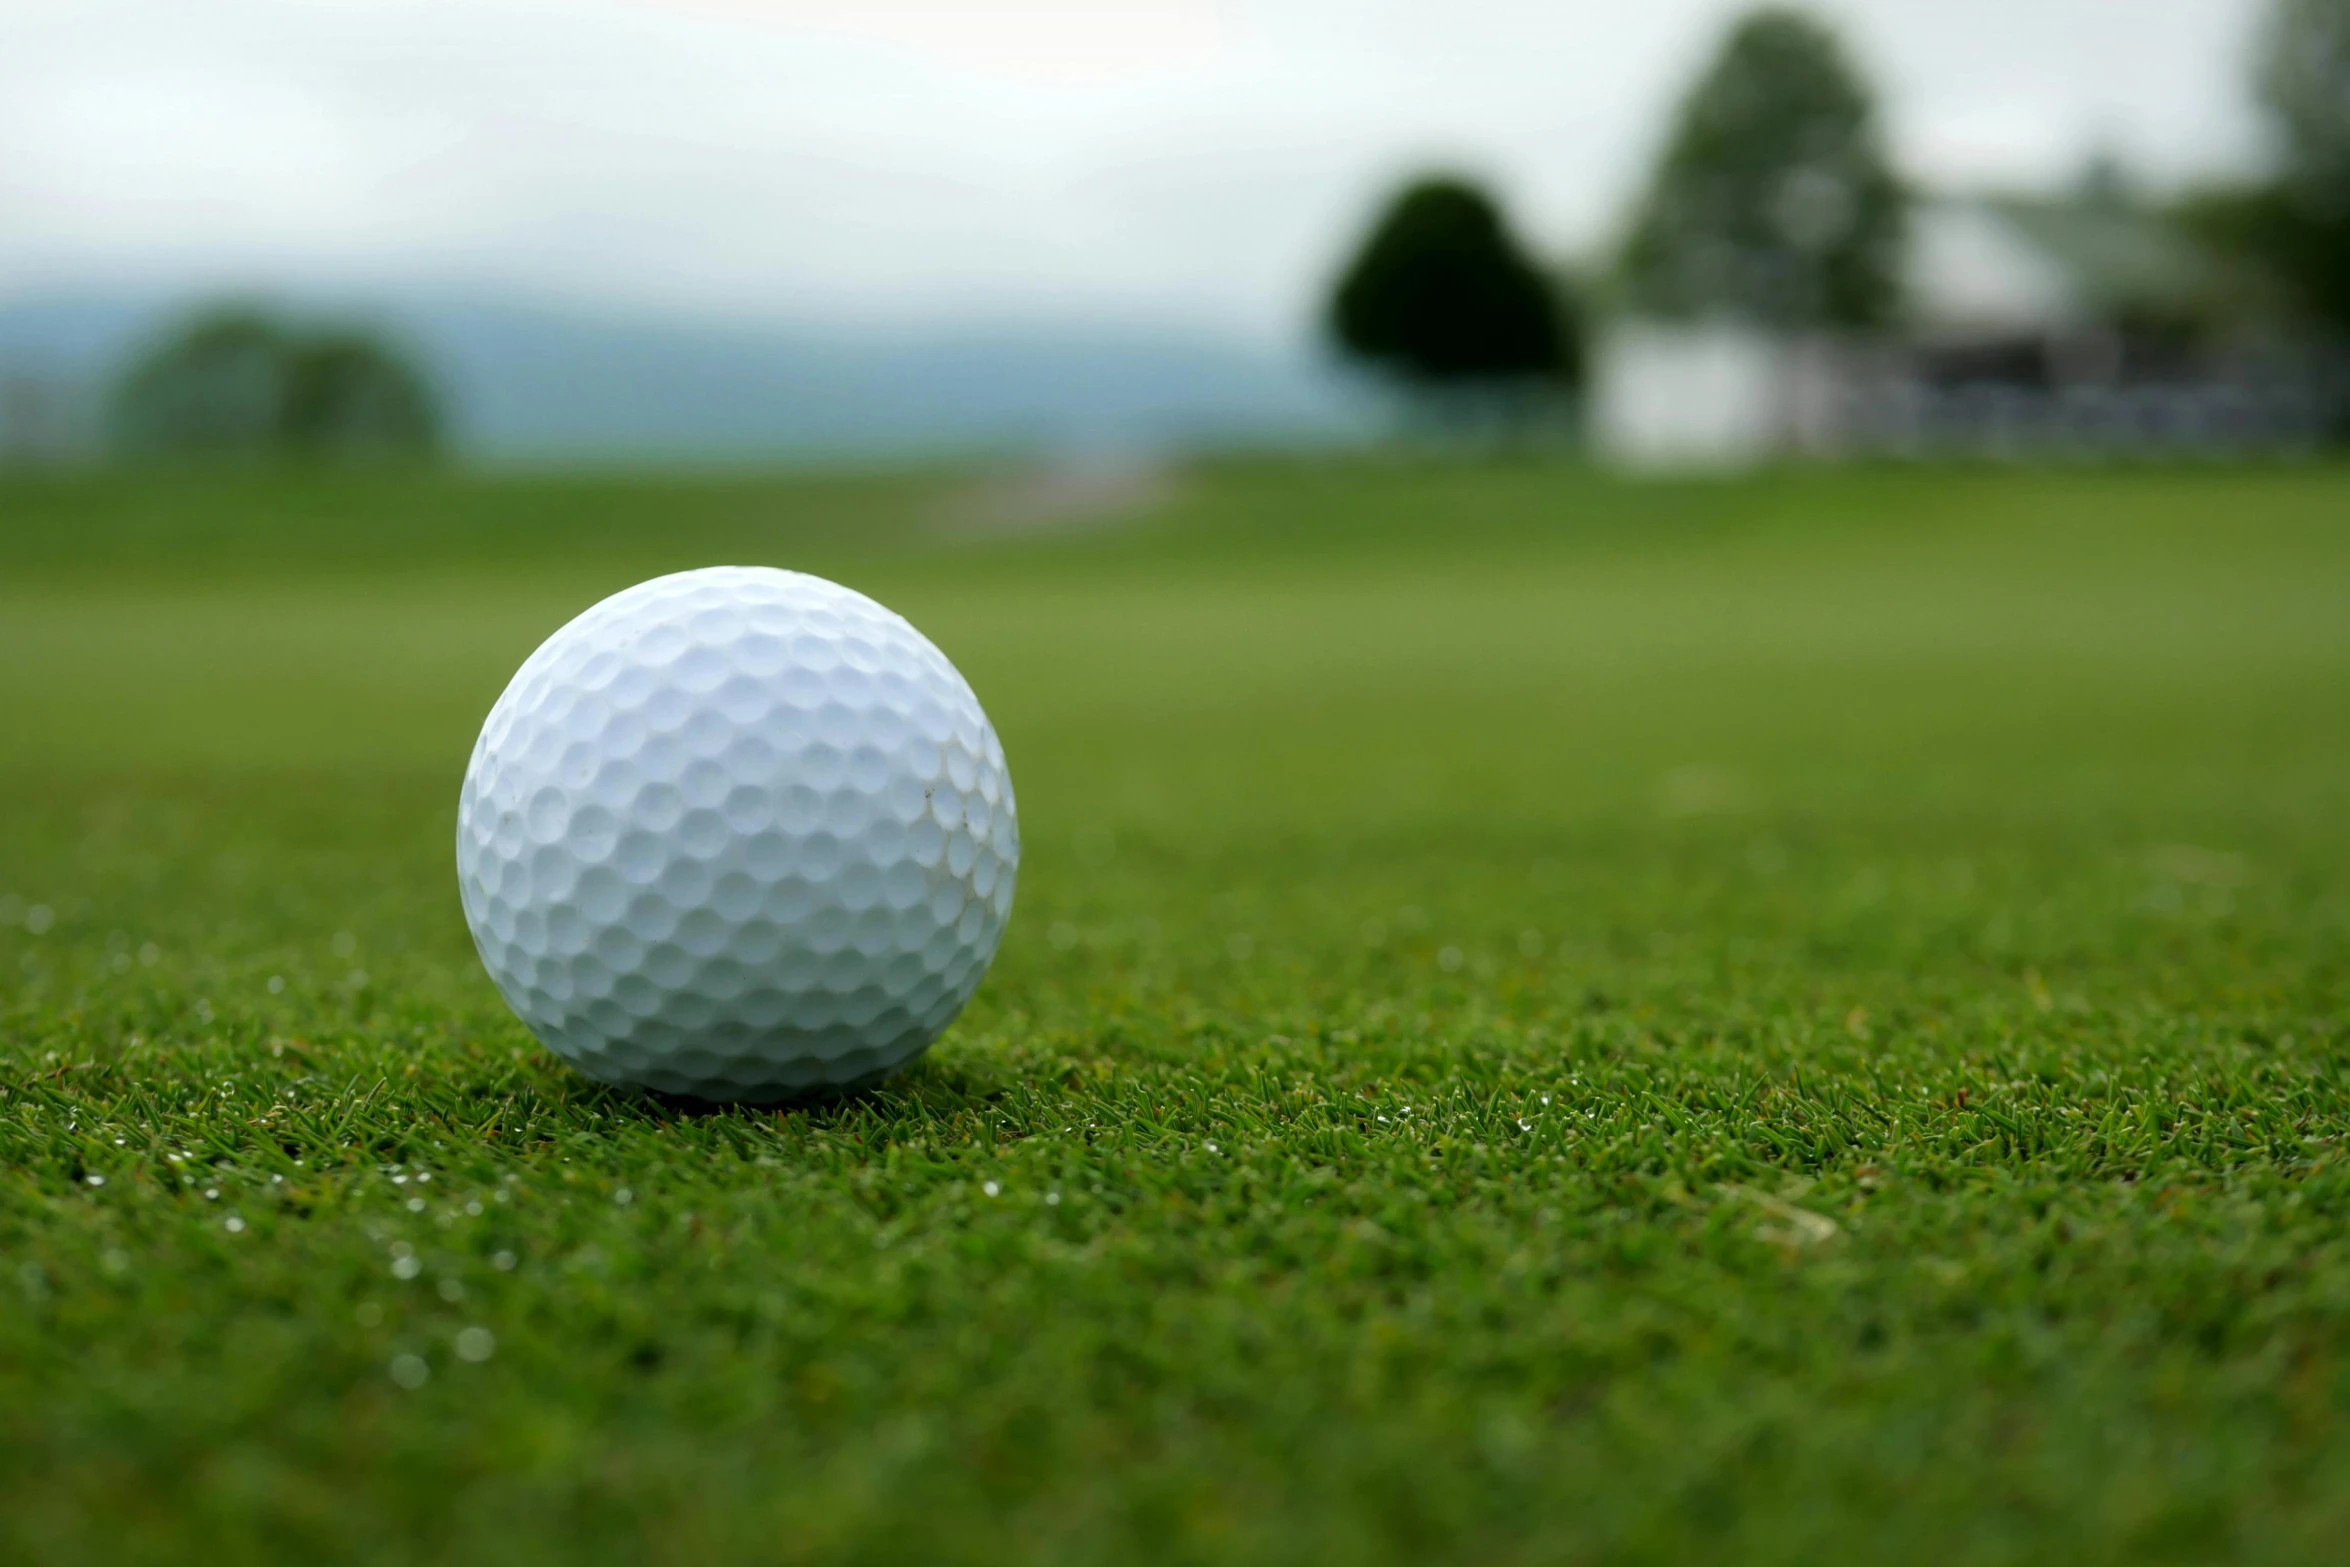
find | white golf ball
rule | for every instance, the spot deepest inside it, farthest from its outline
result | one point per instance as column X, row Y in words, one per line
column 738, row 834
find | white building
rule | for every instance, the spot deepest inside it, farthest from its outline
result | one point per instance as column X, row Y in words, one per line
column 2030, row 327
column 1671, row 395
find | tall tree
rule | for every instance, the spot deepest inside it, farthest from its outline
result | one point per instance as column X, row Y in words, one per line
column 1441, row 295
column 2304, row 83
column 1774, row 203
column 237, row 383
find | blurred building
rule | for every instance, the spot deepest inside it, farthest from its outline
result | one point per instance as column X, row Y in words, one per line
column 2032, row 327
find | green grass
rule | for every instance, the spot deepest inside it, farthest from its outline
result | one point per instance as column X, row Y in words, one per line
column 1790, row 1021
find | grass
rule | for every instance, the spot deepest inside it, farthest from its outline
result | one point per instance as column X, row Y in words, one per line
column 1547, row 1021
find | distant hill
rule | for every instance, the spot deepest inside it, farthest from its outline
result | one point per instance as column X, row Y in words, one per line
column 529, row 381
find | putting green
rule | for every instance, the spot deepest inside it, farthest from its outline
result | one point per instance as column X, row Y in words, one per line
column 1547, row 1020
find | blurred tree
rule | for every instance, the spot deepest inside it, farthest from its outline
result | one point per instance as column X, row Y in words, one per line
column 2283, row 263
column 237, row 383
column 1774, row 203
column 2303, row 226
column 2305, row 85
column 1442, row 297
column 213, row 389
column 348, row 394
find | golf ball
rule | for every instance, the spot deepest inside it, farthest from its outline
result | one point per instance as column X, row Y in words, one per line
column 738, row 834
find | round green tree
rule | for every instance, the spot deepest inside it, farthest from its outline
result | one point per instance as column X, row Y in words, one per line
column 1774, row 203
column 1441, row 295
column 238, row 383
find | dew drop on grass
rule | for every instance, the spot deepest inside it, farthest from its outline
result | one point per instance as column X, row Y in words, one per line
column 476, row 1345
column 234, row 1225
column 991, row 1188
column 410, row 1371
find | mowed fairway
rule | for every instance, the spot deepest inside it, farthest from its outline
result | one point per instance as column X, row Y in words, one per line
column 1794, row 1020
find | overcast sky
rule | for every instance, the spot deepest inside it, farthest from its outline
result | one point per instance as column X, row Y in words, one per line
column 1199, row 160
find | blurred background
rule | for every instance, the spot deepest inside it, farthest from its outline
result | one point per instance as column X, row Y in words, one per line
column 738, row 231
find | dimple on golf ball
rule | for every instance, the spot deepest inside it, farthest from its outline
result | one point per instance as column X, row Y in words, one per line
column 737, row 834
